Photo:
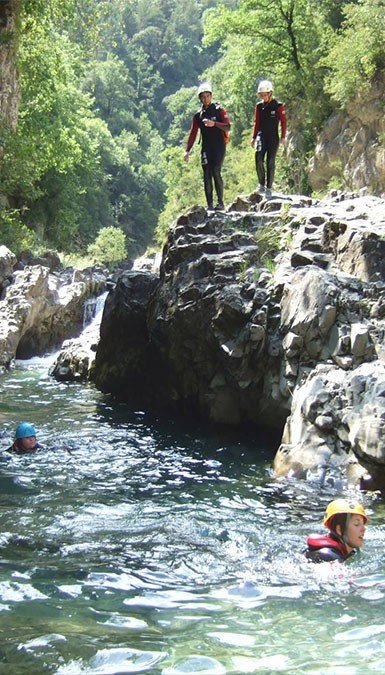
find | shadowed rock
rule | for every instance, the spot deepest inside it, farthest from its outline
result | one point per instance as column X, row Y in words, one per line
column 265, row 317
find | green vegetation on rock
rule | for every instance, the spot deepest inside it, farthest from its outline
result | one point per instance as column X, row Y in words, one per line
column 108, row 91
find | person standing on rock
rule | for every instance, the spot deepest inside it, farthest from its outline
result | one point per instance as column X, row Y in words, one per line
column 346, row 522
column 214, row 124
column 269, row 114
column 25, row 439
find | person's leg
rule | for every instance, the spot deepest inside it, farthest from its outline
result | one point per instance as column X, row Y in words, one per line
column 218, row 182
column 270, row 162
column 208, row 183
column 216, row 157
column 259, row 165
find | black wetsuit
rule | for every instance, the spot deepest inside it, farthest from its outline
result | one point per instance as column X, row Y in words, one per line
column 265, row 134
column 213, row 147
column 17, row 449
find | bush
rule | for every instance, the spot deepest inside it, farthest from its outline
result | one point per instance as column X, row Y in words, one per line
column 109, row 246
column 14, row 234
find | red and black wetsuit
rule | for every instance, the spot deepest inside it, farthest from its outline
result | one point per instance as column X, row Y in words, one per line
column 326, row 548
column 265, row 134
column 213, row 147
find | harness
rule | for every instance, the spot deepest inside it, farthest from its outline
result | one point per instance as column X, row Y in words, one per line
column 316, row 542
column 214, row 136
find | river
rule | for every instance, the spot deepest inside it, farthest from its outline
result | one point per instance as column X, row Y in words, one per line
column 136, row 545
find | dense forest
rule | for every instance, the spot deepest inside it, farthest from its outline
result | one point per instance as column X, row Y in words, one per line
column 107, row 91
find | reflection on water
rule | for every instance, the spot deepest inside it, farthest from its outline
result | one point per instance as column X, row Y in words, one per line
column 131, row 545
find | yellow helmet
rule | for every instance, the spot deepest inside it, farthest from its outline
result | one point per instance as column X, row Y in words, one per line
column 343, row 506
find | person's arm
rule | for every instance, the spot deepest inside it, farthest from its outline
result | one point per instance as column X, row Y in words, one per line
column 224, row 124
column 257, row 125
column 282, row 119
column 191, row 137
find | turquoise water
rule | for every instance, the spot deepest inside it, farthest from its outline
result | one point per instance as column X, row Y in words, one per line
column 134, row 545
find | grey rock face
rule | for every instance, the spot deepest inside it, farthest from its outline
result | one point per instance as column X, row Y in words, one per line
column 39, row 309
column 270, row 316
column 337, row 418
column 7, row 262
column 203, row 342
column 350, row 145
column 124, row 359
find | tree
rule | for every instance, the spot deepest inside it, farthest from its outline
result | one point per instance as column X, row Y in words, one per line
column 52, row 170
column 357, row 52
column 112, row 88
column 282, row 40
column 109, row 246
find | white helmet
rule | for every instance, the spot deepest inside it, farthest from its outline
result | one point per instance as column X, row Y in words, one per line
column 205, row 86
column 265, row 87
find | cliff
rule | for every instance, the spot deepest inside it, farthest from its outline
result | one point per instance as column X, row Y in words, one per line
column 350, row 148
column 272, row 314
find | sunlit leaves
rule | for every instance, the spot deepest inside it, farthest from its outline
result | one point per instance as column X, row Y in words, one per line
column 109, row 246
column 358, row 50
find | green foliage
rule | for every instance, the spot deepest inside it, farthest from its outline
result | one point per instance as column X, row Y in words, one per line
column 184, row 187
column 159, row 43
column 184, row 181
column 13, row 233
column 239, row 174
column 52, row 171
column 109, row 246
column 112, row 88
column 136, row 186
column 180, row 106
column 268, row 240
column 78, row 262
column 109, row 90
column 285, row 41
column 358, row 50
column 282, row 40
column 92, row 127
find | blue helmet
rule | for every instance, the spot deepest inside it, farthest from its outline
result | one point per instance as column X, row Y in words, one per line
column 23, row 430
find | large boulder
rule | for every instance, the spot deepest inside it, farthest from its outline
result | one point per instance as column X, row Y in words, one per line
column 39, row 309
column 337, row 421
column 260, row 316
column 48, row 259
column 124, row 361
column 203, row 337
column 7, row 262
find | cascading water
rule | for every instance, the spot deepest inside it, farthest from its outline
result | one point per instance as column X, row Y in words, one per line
column 134, row 544
column 93, row 309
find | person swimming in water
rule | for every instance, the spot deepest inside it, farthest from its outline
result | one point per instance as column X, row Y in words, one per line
column 25, row 439
column 346, row 521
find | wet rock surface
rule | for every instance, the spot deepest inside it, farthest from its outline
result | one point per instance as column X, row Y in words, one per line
column 39, row 307
column 248, row 305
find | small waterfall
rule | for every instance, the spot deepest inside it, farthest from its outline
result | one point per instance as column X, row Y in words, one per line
column 77, row 354
column 93, row 308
